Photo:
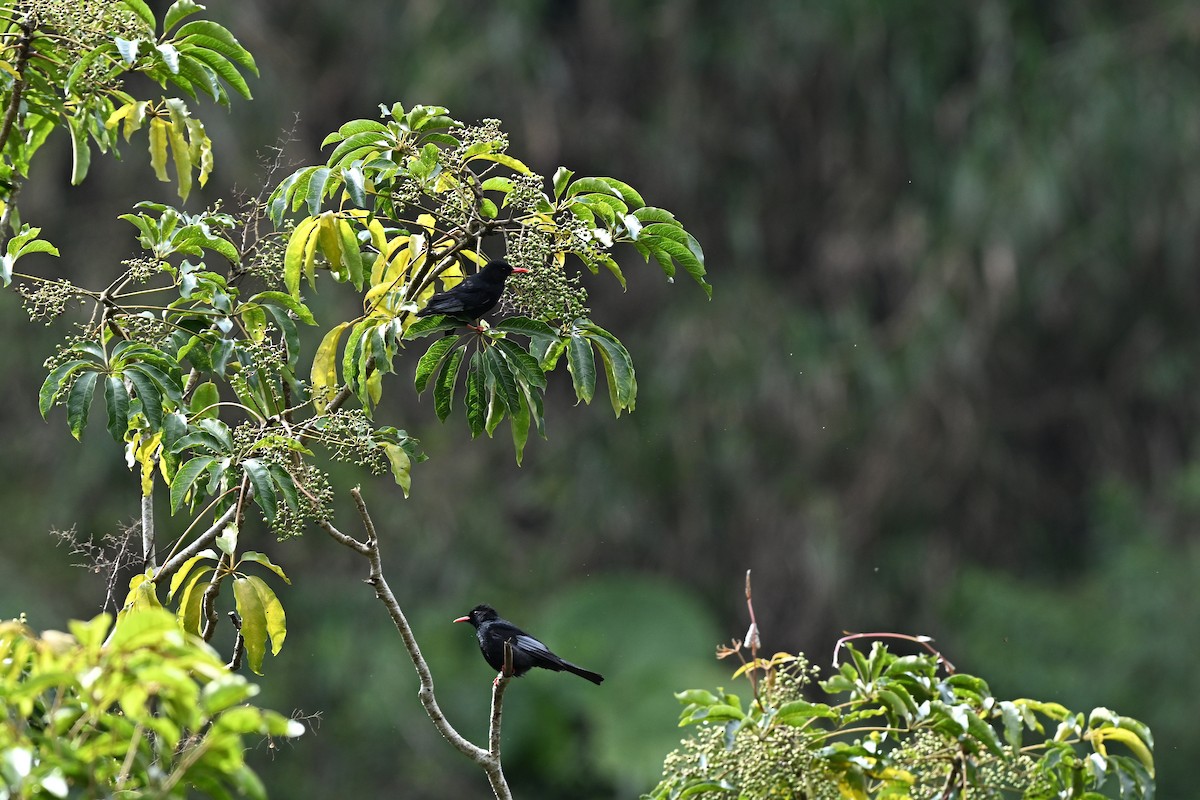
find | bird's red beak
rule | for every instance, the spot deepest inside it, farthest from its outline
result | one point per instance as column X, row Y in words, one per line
column 463, row 619
column 520, row 269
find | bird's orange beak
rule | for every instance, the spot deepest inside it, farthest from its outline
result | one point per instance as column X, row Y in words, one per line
column 463, row 619
column 519, row 269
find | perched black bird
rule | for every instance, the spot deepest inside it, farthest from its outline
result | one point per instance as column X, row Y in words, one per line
column 475, row 296
column 527, row 652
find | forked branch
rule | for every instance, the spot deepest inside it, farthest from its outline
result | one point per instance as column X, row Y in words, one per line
column 488, row 759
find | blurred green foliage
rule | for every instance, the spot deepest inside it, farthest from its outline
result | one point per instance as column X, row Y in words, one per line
column 142, row 709
column 892, row 726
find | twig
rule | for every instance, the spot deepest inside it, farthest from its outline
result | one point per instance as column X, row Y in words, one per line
column 924, row 641
column 208, row 601
column 489, row 759
column 239, row 644
column 497, row 698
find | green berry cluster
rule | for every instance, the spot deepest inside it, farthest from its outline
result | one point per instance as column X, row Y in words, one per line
column 350, row 438
column 527, row 192
column 45, row 301
column 314, row 504
column 486, row 131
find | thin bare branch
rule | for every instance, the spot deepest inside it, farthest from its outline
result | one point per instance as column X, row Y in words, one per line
column 489, row 759
column 239, row 644
column 923, row 641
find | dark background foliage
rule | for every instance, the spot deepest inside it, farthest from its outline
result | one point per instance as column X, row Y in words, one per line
column 946, row 383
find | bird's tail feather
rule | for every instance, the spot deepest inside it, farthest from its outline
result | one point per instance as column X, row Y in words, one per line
column 586, row 674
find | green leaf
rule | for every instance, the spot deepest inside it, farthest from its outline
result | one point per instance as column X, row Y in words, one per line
column 54, row 383
column 591, row 185
column 476, row 395
column 254, row 622
column 562, row 176
column 287, row 487
column 722, row 712
column 428, row 363
column 179, row 10
column 627, row 192
column 618, row 368
column 261, row 558
column 228, row 539
column 508, row 161
column 168, row 383
column 78, row 402
column 798, row 712
column 186, row 476
column 81, row 151
column 316, row 189
column 285, row 301
column 522, row 364
column 447, row 381
column 582, row 366
column 502, row 374
column 984, row 733
column 519, row 417
column 142, row 10
column 223, row 42
column 204, row 401
column 116, row 400
column 401, row 465
column 264, row 487
column 149, row 395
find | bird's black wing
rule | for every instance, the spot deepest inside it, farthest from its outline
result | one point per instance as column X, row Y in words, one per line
column 535, row 649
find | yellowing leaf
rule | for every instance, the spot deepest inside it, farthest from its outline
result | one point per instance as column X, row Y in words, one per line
column 324, row 368
column 159, row 133
column 294, row 255
column 144, row 453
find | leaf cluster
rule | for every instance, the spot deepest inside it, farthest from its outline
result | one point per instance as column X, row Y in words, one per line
column 139, row 707
column 892, row 726
column 64, row 64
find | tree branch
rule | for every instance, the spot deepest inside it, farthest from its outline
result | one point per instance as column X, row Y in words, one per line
column 488, row 759
column 202, row 541
column 239, row 644
column 24, row 48
column 148, row 555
